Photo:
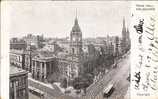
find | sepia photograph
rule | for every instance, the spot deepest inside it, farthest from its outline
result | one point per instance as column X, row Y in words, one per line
column 69, row 49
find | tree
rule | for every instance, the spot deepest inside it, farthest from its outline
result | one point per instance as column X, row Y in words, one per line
column 82, row 82
column 53, row 77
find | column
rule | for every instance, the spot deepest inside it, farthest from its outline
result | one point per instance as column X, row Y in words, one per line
column 30, row 61
column 35, row 70
column 50, row 68
column 26, row 87
column 14, row 88
column 32, row 66
column 41, row 70
column 45, row 71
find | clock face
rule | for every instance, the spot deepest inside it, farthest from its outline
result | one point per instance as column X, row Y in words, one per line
column 73, row 39
column 76, row 38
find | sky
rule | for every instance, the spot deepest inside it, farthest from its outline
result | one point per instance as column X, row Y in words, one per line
column 56, row 18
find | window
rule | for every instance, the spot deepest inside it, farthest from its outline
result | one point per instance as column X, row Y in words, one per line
column 79, row 39
column 42, row 65
column 27, row 58
column 11, row 84
column 23, row 93
column 73, row 50
column 16, row 83
column 33, row 63
column 23, row 81
column 18, row 93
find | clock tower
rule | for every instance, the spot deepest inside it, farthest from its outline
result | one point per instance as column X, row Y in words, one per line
column 76, row 39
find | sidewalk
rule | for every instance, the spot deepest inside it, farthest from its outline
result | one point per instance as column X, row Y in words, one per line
column 41, row 83
column 47, row 88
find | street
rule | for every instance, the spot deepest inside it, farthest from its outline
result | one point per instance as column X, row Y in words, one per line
column 118, row 75
column 50, row 91
column 95, row 91
column 32, row 96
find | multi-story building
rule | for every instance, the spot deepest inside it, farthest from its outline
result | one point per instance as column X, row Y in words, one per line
column 76, row 52
column 33, row 40
column 17, row 58
column 52, row 47
column 21, row 59
column 17, row 44
column 18, row 86
column 65, row 45
column 116, row 47
column 43, row 65
column 70, row 62
column 76, row 39
column 69, row 66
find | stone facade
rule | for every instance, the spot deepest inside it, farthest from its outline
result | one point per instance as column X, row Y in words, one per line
column 69, row 67
column 18, row 86
column 20, row 59
column 52, row 47
column 76, row 52
column 42, row 67
column 17, row 58
column 17, row 44
column 76, row 39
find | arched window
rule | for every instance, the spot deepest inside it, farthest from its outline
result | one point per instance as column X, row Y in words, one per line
column 73, row 50
column 80, row 50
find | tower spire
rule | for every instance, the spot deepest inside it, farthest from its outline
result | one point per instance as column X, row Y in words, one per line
column 76, row 13
column 123, row 28
column 124, row 22
column 76, row 20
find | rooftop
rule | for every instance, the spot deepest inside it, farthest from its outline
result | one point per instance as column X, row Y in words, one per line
column 44, row 56
column 17, row 51
column 14, row 71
